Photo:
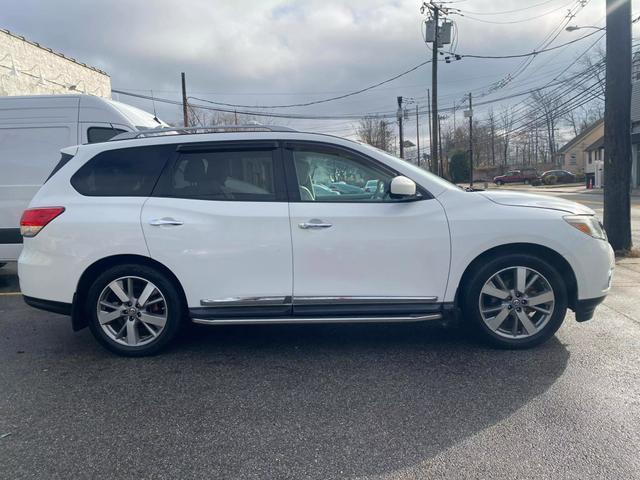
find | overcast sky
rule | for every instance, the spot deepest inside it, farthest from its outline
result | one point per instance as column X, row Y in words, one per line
column 279, row 52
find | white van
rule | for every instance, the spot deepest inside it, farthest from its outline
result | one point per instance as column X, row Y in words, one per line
column 33, row 130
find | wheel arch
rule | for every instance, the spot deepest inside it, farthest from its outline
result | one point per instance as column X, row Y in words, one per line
column 541, row 251
column 78, row 315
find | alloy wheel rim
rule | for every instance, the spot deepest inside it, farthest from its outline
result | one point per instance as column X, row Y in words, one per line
column 132, row 311
column 516, row 302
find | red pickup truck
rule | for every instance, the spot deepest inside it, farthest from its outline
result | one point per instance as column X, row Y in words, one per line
column 516, row 176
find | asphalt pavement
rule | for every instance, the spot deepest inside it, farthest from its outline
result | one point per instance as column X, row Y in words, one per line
column 323, row 402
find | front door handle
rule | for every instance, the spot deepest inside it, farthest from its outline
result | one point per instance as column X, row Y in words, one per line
column 314, row 223
column 158, row 222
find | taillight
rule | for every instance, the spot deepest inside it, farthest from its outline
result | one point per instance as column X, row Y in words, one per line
column 34, row 219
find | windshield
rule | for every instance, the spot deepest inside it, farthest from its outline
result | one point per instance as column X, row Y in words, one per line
column 414, row 168
column 139, row 118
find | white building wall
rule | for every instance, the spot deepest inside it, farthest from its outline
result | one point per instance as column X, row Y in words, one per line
column 26, row 68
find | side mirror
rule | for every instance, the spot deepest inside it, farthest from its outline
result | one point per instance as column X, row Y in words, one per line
column 402, row 187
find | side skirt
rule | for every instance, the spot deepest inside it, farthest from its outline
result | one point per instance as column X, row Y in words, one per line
column 318, row 320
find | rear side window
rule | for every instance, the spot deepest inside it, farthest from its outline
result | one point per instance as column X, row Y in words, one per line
column 223, row 175
column 126, row 172
column 64, row 159
column 102, row 134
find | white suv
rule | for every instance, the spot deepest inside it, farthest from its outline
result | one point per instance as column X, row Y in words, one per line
column 133, row 236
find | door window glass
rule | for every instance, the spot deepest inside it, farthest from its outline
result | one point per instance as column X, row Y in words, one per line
column 102, row 134
column 224, row 175
column 337, row 177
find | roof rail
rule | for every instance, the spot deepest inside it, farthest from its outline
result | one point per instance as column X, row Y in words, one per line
column 155, row 132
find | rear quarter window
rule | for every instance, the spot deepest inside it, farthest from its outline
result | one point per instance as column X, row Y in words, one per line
column 125, row 172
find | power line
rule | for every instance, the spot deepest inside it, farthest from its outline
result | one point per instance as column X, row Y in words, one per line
column 315, row 102
column 510, row 22
column 533, row 53
column 503, row 12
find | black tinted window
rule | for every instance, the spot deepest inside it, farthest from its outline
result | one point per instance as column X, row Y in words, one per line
column 126, row 172
column 102, row 134
column 64, row 159
column 223, row 175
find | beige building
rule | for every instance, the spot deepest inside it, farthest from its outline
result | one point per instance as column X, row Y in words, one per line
column 28, row 68
column 574, row 156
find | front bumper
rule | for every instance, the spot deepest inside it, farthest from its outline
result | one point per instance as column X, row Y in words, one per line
column 585, row 308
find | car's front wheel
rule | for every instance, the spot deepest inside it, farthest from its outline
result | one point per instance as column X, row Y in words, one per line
column 134, row 310
column 515, row 300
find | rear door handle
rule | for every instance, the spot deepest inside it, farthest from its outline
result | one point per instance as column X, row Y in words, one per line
column 158, row 222
column 313, row 223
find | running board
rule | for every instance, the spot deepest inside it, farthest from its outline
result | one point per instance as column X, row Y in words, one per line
column 318, row 320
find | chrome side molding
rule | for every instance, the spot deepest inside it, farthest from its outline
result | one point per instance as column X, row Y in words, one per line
column 319, row 320
column 245, row 301
column 311, row 300
column 361, row 300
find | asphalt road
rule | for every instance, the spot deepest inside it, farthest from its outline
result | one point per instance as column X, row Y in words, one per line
column 323, row 402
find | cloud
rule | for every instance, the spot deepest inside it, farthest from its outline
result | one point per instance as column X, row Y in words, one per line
column 253, row 52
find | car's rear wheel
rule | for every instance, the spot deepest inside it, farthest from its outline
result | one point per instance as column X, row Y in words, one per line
column 515, row 301
column 134, row 310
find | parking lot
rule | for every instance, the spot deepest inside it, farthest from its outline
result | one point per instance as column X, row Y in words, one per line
column 360, row 401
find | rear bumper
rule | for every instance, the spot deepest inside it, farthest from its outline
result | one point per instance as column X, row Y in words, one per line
column 585, row 308
column 48, row 305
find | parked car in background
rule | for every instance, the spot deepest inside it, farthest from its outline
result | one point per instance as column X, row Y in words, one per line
column 33, row 130
column 345, row 188
column 371, row 186
column 516, row 176
column 562, row 176
column 323, row 191
column 135, row 236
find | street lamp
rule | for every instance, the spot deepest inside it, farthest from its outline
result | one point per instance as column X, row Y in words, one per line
column 573, row 28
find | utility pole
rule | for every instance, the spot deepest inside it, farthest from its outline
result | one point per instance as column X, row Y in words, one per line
column 185, row 116
column 418, row 132
column 471, row 140
column 439, row 163
column 430, row 136
column 401, row 133
column 434, row 90
column 617, row 126
column 438, row 35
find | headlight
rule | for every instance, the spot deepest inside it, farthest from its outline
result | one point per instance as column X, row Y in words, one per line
column 587, row 224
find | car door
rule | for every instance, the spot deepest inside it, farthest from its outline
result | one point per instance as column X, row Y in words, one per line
column 219, row 220
column 361, row 250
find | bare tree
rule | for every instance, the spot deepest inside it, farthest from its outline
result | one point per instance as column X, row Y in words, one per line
column 491, row 121
column 377, row 132
column 506, row 124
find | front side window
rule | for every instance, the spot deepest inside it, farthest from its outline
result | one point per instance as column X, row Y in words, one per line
column 124, row 172
column 224, row 175
column 339, row 177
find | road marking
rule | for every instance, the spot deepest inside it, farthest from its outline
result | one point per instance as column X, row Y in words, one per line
column 9, row 294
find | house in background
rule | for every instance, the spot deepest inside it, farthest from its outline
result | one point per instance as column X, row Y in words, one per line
column 574, row 157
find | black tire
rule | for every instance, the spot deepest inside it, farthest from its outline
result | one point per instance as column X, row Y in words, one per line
column 174, row 309
column 470, row 296
column 499, row 183
column 526, row 181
